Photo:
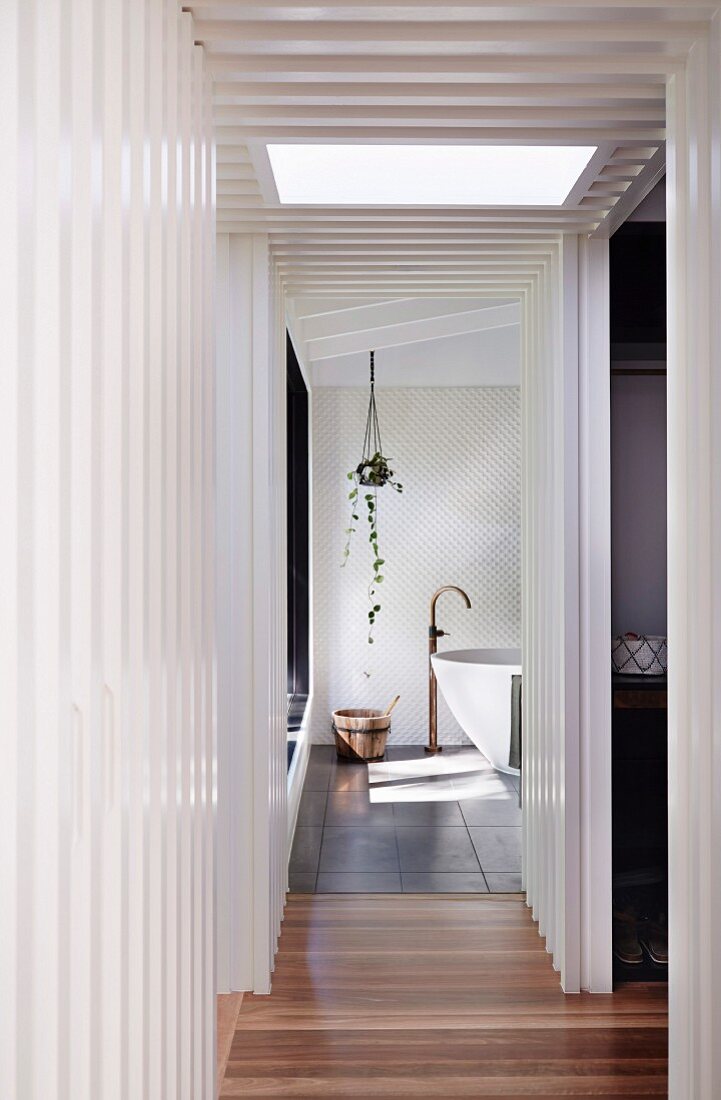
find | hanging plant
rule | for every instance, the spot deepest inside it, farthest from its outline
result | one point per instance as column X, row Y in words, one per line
column 373, row 472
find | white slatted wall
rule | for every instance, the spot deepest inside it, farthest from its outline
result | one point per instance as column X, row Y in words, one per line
column 107, row 677
column 550, row 605
column 252, row 661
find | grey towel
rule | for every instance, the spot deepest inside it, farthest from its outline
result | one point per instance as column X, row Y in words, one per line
column 514, row 757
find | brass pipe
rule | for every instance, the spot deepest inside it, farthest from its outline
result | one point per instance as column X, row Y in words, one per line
column 433, row 635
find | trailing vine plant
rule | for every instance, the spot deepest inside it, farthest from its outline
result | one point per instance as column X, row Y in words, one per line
column 372, row 473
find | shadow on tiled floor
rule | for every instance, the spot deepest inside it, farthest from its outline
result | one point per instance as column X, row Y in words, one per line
column 412, row 823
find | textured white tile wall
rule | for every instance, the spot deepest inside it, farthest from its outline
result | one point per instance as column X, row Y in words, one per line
column 458, row 454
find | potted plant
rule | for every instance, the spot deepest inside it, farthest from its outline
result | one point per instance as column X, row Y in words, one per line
column 373, row 472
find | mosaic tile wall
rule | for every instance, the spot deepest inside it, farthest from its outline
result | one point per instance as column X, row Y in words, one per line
column 457, row 452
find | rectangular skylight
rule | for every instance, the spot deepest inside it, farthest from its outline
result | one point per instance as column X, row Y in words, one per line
column 444, row 175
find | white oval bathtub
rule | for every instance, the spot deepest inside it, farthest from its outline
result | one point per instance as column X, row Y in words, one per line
column 476, row 684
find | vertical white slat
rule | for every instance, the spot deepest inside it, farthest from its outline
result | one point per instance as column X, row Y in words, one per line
column 682, row 1071
column 27, row 929
column 197, row 573
column 208, row 551
column 11, row 300
column 185, row 366
column 529, row 616
column 224, row 570
column 235, row 590
column 595, row 615
column 154, row 915
column 262, row 630
column 82, row 518
column 526, row 467
column 169, row 553
column 98, row 702
column 694, row 583
column 113, row 416
column 135, row 734
column 46, row 566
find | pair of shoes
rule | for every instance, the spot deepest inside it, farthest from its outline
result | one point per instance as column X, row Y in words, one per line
column 631, row 936
column 626, row 944
column 653, row 936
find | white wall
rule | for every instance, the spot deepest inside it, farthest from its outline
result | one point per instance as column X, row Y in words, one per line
column 638, row 503
column 458, row 521
column 106, row 553
column 490, row 357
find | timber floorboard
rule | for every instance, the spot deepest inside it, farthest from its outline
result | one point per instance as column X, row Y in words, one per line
column 433, row 995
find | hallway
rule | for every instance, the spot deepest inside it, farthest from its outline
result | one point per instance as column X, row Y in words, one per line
column 436, row 996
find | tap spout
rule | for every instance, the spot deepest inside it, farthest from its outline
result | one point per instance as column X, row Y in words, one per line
column 446, row 588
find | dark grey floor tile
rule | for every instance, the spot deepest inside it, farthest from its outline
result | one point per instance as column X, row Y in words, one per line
column 355, row 808
column 306, row 848
column 405, row 752
column 320, row 768
column 498, row 847
column 349, row 777
column 359, row 849
column 429, row 848
column 504, row 882
column 439, row 882
column 312, row 807
column 427, row 813
column 492, row 809
column 359, row 882
column 301, row 882
column 323, row 752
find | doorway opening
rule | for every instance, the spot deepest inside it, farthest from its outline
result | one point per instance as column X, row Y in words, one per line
column 446, row 380
column 298, row 546
column 638, row 594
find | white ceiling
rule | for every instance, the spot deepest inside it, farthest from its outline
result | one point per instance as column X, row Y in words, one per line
column 465, row 71
column 418, row 341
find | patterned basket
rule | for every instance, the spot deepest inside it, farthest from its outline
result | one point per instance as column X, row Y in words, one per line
column 639, row 655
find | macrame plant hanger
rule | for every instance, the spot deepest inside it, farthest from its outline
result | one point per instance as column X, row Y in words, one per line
column 372, row 445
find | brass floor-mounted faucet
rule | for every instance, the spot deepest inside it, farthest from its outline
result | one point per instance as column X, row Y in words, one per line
column 433, row 635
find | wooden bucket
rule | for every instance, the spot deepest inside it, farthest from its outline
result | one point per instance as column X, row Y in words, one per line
column 361, row 734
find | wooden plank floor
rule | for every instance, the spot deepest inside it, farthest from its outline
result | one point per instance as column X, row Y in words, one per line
column 402, row 995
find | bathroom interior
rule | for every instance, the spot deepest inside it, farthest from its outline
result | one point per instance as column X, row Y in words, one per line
column 447, row 383
column 447, row 390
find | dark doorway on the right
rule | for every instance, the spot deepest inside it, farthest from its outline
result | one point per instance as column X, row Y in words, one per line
column 638, row 593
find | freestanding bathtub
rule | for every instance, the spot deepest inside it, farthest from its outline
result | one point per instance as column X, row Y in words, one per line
column 476, row 684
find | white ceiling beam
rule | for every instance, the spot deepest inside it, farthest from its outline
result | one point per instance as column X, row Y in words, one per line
column 403, row 311
column 439, row 135
column 514, row 8
column 412, row 332
column 512, row 66
column 246, row 224
column 472, row 93
column 410, row 250
column 394, row 263
column 452, row 217
column 234, row 171
column 284, row 35
column 445, row 115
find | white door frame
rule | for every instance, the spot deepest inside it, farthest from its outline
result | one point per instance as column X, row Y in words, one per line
column 566, row 360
